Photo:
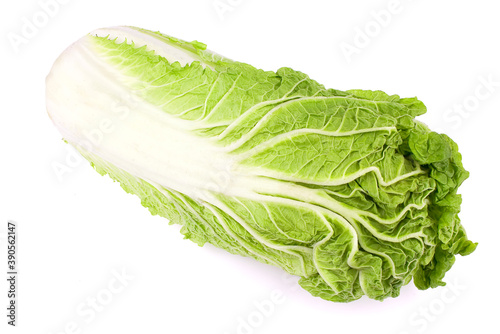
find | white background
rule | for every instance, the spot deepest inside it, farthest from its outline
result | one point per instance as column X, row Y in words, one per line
column 76, row 233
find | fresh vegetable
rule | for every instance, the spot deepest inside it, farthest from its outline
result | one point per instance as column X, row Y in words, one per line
column 343, row 188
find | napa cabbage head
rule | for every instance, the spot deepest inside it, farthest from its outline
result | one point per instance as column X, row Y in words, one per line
column 342, row 188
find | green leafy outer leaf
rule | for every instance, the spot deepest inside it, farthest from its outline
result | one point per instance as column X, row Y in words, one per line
column 345, row 189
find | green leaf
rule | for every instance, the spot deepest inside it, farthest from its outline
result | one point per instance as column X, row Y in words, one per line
column 345, row 189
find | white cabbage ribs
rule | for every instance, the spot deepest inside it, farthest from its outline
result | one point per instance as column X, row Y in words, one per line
column 342, row 188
